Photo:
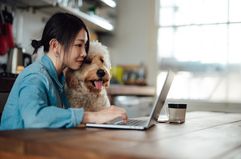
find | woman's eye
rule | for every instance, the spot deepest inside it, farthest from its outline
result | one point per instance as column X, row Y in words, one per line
column 78, row 45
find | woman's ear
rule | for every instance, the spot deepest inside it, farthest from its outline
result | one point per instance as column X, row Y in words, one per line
column 54, row 46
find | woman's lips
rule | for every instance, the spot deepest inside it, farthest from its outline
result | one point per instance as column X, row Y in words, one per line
column 80, row 61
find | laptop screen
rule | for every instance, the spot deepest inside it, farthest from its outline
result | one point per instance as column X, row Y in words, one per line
column 162, row 96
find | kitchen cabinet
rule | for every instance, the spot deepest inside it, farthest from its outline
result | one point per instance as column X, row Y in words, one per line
column 94, row 22
column 136, row 100
column 131, row 90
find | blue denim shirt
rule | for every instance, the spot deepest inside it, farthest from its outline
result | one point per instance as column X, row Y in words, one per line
column 37, row 100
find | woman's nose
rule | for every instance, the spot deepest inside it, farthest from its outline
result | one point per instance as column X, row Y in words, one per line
column 83, row 53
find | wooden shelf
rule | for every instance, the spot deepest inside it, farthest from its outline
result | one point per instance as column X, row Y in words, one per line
column 109, row 3
column 51, row 6
column 116, row 90
column 92, row 21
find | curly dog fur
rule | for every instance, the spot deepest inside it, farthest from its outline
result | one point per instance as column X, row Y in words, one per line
column 86, row 87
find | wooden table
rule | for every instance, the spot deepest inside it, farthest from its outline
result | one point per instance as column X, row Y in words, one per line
column 203, row 135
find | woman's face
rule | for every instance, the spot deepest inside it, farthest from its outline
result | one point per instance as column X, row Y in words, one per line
column 77, row 52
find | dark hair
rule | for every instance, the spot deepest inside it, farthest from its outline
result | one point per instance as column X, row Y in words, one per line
column 63, row 27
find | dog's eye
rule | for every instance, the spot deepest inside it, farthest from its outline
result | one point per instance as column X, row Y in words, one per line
column 87, row 61
column 102, row 60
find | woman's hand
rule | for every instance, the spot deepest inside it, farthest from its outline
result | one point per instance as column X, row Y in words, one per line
column 105, row 115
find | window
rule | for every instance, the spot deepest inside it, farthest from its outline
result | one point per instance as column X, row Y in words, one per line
column 201, row 41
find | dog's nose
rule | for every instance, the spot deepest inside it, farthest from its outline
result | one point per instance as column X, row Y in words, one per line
column 100, row 72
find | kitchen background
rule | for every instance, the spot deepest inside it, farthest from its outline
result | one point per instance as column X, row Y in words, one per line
column 199, row 40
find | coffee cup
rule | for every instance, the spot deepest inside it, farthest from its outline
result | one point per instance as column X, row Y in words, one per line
column 176, row 113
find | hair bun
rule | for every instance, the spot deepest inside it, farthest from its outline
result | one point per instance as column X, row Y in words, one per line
column 36, row 44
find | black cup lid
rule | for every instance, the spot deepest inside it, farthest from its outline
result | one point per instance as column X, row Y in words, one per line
column 178, row 106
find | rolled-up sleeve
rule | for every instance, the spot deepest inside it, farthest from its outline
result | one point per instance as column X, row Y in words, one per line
column 35, row 111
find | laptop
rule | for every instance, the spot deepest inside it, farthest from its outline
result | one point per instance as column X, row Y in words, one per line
column 141, row 123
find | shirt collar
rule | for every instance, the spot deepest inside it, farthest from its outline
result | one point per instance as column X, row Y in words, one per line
column 48, row 64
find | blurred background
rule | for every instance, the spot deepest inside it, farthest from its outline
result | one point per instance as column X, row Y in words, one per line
column 197, row 39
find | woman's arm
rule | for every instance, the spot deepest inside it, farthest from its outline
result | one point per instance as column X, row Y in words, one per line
column 34, row 108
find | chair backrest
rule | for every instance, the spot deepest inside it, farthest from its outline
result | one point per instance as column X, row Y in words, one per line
column 6, row 82
column 3, row 100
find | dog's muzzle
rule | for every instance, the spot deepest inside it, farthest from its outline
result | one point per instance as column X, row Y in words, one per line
column 99, row 83
column 100, row 73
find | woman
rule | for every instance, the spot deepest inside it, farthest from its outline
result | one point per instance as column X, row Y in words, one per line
column 37, row 99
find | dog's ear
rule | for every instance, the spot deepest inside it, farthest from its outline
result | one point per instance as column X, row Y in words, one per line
column 71, row 80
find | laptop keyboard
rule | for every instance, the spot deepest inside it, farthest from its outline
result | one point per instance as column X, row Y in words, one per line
column 132, row 122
